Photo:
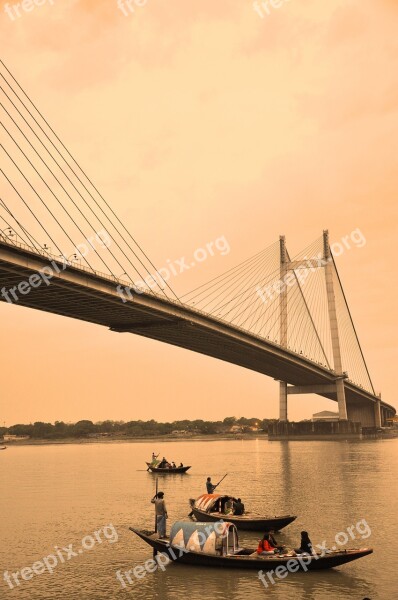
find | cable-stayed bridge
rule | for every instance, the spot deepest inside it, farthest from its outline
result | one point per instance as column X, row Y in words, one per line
column 64, row 250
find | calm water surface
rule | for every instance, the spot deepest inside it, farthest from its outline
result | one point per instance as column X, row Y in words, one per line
column 56, row 495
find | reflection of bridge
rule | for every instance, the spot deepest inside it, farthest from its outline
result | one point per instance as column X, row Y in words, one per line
column 286, row 318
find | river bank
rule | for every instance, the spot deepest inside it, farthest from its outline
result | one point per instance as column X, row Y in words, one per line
column 123, row 439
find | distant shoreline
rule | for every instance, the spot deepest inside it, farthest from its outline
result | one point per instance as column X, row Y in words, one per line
column 155, row 439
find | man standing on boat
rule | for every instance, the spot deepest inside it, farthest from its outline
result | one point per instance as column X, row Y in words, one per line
column 161, row 513
column 154, row 461
column 209, row 486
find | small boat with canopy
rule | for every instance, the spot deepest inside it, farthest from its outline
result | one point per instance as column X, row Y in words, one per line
column 213, row 507
column 217, row 545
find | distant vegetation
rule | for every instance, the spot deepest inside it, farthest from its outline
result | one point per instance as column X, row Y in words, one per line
column 82, row 429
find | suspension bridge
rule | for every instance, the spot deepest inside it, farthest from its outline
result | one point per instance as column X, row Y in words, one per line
column 284, row 316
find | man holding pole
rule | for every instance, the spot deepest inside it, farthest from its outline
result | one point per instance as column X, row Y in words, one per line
column 211, row 487
column 161, row 514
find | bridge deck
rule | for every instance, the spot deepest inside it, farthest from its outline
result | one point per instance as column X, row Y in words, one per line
column 90, row 297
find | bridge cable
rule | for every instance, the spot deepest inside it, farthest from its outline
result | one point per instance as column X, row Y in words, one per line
column 88, row 179
column 352, row 323
column 86, row 219
column 41, row 199
column 30, row 237
column 41, row 225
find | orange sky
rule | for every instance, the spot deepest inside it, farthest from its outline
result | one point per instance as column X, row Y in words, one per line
column 198, row 120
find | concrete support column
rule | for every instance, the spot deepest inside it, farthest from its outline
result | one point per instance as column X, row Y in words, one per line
column 341, row 399
column 334, row 327
column 282, row 401
column 377, row 407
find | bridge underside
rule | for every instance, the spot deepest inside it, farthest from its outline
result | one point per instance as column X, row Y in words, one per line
column 86, row 296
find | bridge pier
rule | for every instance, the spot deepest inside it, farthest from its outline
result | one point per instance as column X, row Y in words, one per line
column 341, row 401
column 282, row 401
column 377, row 409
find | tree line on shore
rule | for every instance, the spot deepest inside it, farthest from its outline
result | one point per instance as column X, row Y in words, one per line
column 85, row 428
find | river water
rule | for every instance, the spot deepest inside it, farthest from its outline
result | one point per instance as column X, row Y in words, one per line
column 56, row 495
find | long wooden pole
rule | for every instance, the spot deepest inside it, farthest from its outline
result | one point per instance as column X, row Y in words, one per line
column 156, row 520
column 216, row 486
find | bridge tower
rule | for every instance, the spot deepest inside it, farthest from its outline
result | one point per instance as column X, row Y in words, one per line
column 334, row 328
column 337, row 388
column 283, row 324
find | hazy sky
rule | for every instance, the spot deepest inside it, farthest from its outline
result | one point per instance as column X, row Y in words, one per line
column 200, row 119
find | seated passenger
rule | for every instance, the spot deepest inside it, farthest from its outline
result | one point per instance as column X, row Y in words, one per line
column 265, row 546
column 173, row 465
column 229, row 506
column 180, row 465
column 239, row 507
column 275, row 543
column 305, row 544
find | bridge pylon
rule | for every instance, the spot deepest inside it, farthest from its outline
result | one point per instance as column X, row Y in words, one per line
column 283, row 324
column 337, row 389
column 334, row 327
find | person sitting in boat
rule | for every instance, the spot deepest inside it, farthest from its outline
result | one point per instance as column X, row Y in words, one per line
column 239, row 507
column 229, row 507
column 274, row 542
column 173, row 465
column 209, row 486
column 163, row 463
column 305, row 544
column 161, row 514
column 265, row 546
column 180, row 466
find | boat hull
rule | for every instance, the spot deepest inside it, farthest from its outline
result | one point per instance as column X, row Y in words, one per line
column 167, row 471
column 245, row 523
column 246, row 561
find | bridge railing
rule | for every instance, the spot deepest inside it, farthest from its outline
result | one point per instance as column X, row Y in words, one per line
column 43, row 252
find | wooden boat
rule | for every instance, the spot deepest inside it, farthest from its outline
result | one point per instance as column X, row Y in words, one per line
column 217, row 545
column 167, row 470
column 211, row 507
